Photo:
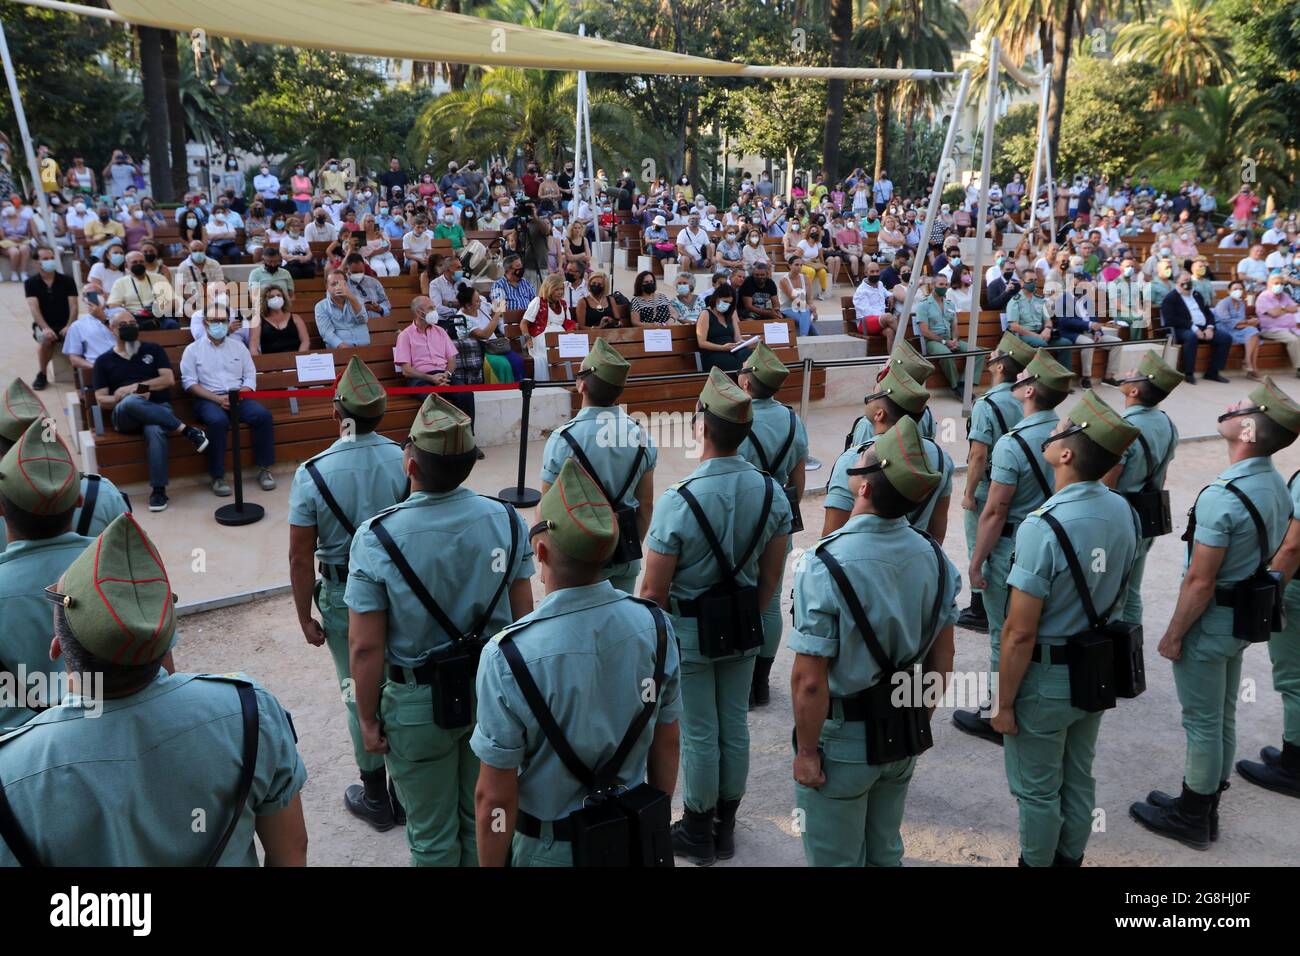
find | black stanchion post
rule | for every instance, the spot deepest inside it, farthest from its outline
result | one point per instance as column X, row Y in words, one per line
column 519, row 495
column 240, row 512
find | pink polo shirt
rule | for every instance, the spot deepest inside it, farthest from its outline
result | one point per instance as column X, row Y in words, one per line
column 427, row 351
column 1268, row 301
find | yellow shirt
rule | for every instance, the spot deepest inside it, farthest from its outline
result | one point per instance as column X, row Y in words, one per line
column 97, row 231
column 50, row 174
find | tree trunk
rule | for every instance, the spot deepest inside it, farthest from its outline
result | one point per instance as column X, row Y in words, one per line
column 1062, row 38
column 909, row 142
column 789, row 173
column 841, row 17
column 882, row 98
column 155, row 101
column 171, row 65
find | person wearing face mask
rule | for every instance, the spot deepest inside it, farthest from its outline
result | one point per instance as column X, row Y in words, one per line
column 394, row 177
column 442, row 290
column 232, row 177
column 109, row 268
column 149, row 300
column 1027, row 316
column 270, row 270
column 449, row 227
column 266, row 183
column 730, row 255
column 1193, row 324
column 367, row 288
column 717, row 332
column 321, row 228
column 211, row 367
column 276, row 329
column 873, row 305
column 220, row 233
column 935, row 322
column 87, row 338
column 599, row 308
column 1230, row 314
column 52, row 301
column 301, row 189
column 103, row 229
column 754, row 251
column 575, row 287
column 1126, row 298
column 688, row 305
column 340, row 316
column 1278, row 318
column 333, row 178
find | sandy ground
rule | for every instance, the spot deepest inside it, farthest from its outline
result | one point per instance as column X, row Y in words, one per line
column 959, row 809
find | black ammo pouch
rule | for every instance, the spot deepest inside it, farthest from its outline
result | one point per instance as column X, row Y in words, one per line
column 450, row 671
column 1257, row 605
column 1151, row 503
column 1105, row 661
column 629, row 535
column 791, row 492
column 728, row 615
column 893, row 731
column 616, row 826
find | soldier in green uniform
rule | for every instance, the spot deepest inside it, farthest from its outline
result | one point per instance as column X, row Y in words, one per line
column 612, row 448
column 38, row 493
column 991, row 416
column 357, row 477
column 778, row 445
column 902, row 589
column 1237, row 523
column 896, row 397
column 1019, row 481
column 136, row 766
column 1050, row 744
column 919, row 370
column 717, row 546
column 601, row 662
column 101, row 501
column 1028, row 317
column 1146, row 462
column 428, row 579
column 935, row 321
column 1280, row 769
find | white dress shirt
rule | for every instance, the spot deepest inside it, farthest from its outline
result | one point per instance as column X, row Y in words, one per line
column 218, row 368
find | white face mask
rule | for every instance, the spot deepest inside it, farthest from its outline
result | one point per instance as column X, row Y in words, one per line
column 274, row 302
column 724, row 306
column 1238, row 293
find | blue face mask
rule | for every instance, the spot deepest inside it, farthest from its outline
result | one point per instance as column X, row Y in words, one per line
column 47, row 265
column 198, row 257
column 458, row 274
column 116, row 258
column 218, row 330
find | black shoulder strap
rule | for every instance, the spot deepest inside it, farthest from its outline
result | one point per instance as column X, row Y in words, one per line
column 711, row 536
column 997, row 413
column 1076, row 572
column 330, row 501
column 88, row 506
column 915, row 516
column 1291, row 481
column 848, row 439
column 1033, row 464
column 592, row 780
column 248, row 714
column 768, row 466
column 512, row 519
column 11, row 835
column 1264, row 553
column 583, row 460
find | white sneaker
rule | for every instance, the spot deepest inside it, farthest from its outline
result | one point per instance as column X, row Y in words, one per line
column 22, row 277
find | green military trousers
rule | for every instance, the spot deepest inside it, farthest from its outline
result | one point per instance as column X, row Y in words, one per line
column 971, row 522
column 949, row 366
column 1049, row 766
column 543, row 850
column 625, row 578
column 1133, row 599
column 996, row 569
column 772, row 627
column 435, row 772
column 1284, row 651
column 334, row 621
column 714, row 726
column 1207, row 681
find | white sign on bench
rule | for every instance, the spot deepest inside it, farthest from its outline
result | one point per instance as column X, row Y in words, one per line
column 658, row 340
column 776, row 333
column 315, row 368
column 574, row 345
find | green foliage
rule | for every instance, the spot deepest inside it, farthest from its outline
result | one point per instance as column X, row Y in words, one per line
column 1266, row 46
column 954, row 196
column 1185, row 43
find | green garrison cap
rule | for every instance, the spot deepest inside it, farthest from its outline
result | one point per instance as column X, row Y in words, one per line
column 904, row 390
column 578, row 515
column 766, row 367
column 606, row 364
column 1277, row 405
column 39, row 475
column 1102, row 423
column 1158, row 372
column 19, row 409
column 117, row 598
column 726, row 399
column 440, row 428
column 359, row 392
column 1015, row 347
column 1049, row 371
column 911, row 361
column 904, row 462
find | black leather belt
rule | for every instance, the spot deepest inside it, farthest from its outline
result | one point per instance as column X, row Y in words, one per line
column 337, row 573
column 1054, row 654
column 1009, row 530
column 854, row 708
column 687, row 607
column 530, row 826
column 422, row 674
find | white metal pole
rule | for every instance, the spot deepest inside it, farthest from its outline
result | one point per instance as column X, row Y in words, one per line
column 591, row 168
column 33, row 168
column 936, row 193
column 982, row 218
column 1038, row 157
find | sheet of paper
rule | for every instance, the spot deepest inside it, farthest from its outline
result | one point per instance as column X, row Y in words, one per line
column 747, row 344
column 315, row 368
column 658, row 340
column 574, row 345
column 776, row 333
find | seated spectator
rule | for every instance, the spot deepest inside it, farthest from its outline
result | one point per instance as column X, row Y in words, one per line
column 442, row 287
column 468, row 333
column 516, row 291
column 136, row 229
column 99, row 232
column 1278, row 317
column 269, row 271
column 717, row 331
column 88, row 337
column 890, row 240
column 377, row 248
column 754, row 251
column 1202, row 281
column 150, row 300
column 934, row 320
column 212, row 367
column 132, row 383
column 847, row 239
column 1192, row 322
column 367, row 288
column 219, row 298
column 688, row 305
column 223, row 245
column 796, row 296
column 275, row 328
column 1077, row 323
column 256, row 229
column 190, row 224
column 52, row 301
column 349, row 226
column 873, row 304
column 575, row 286
column 416, row 246
column 1252, row 270
column 449, row 227
column 729, row 254
column 812, row 251
column 657, row 242
column 426, row 355
column 1027, row 317
column 649, row 306
column 1230, row 314
column 599, row 309
column 549, row 312
column 341, row 316
column 321, row 228
column 1163, row 282
column 576, row 250
column 758, row 296
column 295, row 251
column 108, row 269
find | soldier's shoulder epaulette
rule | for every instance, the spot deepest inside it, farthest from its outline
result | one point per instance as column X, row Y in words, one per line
column 643, row 601
column 12, row 733
column 235, row 678
column 511, row 629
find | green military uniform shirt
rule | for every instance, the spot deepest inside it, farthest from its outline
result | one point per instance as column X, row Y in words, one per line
column 941, row 317
column 1027, row 311
column 987, row 429
column 26, row 569
column 772, row 420
column 109, row 503
column 459, row 544
column 1161, row 436
column 1010, row 467
column 365, row 474
column 839, row 496
column 151, row 780
column 590, row 650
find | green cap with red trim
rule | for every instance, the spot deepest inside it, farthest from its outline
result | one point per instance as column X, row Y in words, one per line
column 359, row 392
column 1103, row 424
column 903, row 461
column 38, row 473
column 440, row 428
column 19, row 407
column 578, row 516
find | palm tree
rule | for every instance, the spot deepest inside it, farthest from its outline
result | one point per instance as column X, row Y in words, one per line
column 841, row 24
column 149, row 40
column 1185, row 43
column 1231, row 133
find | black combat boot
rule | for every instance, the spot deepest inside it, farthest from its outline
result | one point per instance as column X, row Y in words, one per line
column 399, row 811
column 975, row 618
column 974, row 723
column 693, row 837
column 760, row 695
column 1064, row 861
column 1186, row 818
column 724, row 830
column 1158, row 798
column 1280, row 771
column 369, row 800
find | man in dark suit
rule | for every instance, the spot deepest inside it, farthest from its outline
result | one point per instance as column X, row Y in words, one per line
column 1002, row 289
column 1185, row 313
